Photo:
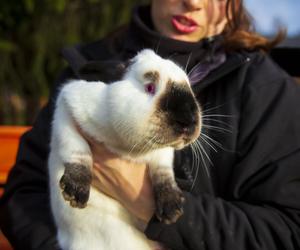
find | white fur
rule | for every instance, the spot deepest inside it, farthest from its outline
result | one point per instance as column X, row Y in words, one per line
column 106, row 113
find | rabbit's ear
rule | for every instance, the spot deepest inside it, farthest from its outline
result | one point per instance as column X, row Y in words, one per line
column 105, row 71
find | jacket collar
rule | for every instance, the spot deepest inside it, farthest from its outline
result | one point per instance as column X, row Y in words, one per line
column 234, row 61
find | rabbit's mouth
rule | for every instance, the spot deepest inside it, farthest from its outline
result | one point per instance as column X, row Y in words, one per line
column 168, row 136
column 184, row 140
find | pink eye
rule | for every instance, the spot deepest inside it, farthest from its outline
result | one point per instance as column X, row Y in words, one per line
column 150, row 88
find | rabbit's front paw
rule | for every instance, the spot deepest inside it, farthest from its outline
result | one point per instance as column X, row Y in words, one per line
column 169, row 202
column 75, row 184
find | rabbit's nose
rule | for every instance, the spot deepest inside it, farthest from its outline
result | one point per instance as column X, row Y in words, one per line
column 186, row 114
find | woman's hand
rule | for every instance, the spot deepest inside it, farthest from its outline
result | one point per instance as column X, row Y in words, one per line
column 125, row 181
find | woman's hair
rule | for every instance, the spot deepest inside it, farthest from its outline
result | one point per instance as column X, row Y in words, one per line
column 239, row 32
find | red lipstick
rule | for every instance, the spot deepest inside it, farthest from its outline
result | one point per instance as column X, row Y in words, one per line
column 184, row 24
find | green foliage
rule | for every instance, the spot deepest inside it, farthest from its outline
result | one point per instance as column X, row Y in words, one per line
column 32, row 33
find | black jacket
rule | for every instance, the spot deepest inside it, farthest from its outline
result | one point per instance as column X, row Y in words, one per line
column 250, row 200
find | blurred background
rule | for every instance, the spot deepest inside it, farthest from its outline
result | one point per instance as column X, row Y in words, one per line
column 32, row 33
column 270, row 15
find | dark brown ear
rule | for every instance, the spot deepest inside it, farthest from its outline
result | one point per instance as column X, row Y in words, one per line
column 105, row 71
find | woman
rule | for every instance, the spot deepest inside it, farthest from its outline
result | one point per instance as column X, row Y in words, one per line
column 245, row 192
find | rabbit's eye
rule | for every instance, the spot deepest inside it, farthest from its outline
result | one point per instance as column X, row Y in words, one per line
column 150, row 88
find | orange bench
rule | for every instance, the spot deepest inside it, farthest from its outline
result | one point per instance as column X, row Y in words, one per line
column 9, row 141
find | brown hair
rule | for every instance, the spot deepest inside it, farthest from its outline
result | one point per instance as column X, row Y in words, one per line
column 239, row 32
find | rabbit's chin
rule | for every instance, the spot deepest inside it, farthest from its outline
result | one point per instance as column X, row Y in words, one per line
column 181, row 144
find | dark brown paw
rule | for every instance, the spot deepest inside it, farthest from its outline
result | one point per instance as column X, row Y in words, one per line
column 169, row 202
column 75, row 184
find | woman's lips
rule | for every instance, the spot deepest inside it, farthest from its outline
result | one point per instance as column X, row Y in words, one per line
column 184, row 24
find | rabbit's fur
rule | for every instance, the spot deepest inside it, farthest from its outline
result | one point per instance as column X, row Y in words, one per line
column 143, row 117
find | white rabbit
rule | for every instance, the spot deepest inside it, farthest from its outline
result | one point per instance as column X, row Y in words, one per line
column 143, row 117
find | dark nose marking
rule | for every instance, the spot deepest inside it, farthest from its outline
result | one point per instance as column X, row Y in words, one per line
column 181, row 108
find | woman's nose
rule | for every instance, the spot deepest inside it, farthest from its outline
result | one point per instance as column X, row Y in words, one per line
column 192, row 4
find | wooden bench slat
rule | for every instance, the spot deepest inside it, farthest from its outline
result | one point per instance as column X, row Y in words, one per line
column 9, row 142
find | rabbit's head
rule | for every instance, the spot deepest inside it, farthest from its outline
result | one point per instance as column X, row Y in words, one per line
column 153, row 106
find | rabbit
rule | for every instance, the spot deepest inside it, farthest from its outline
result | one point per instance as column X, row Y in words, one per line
column 143, row 117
